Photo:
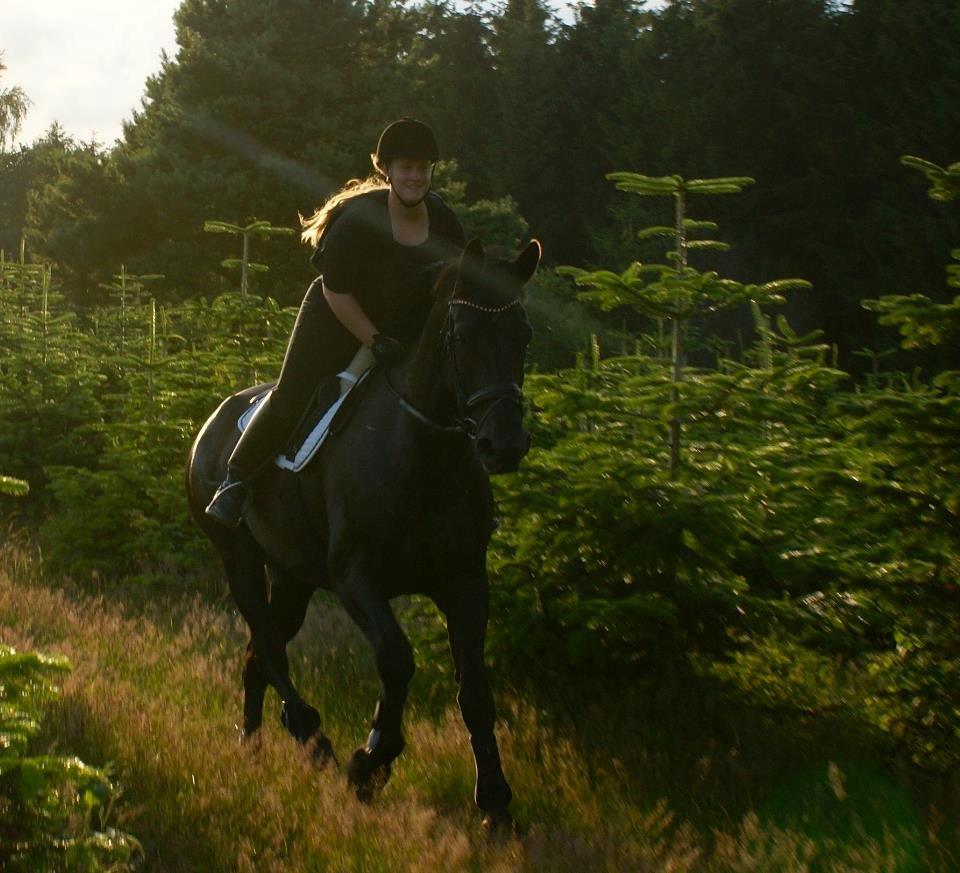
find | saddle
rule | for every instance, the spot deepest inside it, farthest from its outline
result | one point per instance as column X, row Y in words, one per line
column 327, row 413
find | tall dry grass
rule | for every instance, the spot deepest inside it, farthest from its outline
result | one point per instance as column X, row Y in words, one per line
column 156, row 693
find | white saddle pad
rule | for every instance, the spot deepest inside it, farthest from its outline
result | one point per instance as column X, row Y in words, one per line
column 308, row 448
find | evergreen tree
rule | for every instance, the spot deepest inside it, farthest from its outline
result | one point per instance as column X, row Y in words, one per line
column 524, row 138
column 25, row 172
column 450, row 57
column 591, row 68
column 265, row 110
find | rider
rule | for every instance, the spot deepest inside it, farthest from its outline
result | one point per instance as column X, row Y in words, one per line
column 376, row 243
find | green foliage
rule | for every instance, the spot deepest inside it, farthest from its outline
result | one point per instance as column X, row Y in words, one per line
column 53, row 810
column 47, row 384
column 803, row 551
column 13, row 109
column 496, row 222
column 676, row 292
column 920, row 320
column 562, row 326
column 620, row 559
column 125, row 514
column 255, row 228
column 13, row 487
column 814, row 97
column 944, row 181
column 98, row 413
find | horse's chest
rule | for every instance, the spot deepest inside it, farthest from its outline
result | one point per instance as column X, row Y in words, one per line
column 436, row 529
column 431, row 519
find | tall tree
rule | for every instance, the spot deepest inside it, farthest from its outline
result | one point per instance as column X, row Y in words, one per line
column 265, row 109
column 450, row 71
column 13, row 109
column 524, row 138
column 592, row 57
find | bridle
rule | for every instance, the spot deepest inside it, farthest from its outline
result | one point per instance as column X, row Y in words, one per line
column 492, row 395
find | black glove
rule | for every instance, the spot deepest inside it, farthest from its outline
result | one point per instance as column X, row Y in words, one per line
column 386, row 349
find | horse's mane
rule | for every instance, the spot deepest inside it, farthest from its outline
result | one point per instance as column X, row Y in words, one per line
column 426, row 357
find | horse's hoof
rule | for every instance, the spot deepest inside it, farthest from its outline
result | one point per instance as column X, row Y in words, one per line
column 321, row 751
column 498, row 827
column 301, row 721
column 365, row 778
column 251, row 739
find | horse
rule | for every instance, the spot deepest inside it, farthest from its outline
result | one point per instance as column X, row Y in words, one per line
column 398, row 502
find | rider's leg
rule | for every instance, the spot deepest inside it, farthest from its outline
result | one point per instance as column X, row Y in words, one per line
column 319, row 346
column 362, row 361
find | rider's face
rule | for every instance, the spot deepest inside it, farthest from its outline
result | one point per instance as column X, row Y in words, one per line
column 410, row 179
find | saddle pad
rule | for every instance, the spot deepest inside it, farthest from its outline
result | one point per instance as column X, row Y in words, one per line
column 298, row 459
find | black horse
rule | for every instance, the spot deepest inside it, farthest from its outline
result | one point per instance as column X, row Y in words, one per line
column 397, row 503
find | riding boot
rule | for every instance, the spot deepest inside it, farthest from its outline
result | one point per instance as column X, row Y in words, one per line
column 229, row 501
column 260, row 440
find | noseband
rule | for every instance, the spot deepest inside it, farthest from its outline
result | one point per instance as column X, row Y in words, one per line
column 493, row 395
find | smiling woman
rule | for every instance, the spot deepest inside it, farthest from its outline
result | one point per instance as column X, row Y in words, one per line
column 376, row 243
column 95, row 78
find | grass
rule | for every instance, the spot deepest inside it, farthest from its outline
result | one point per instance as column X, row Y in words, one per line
column 155, row 692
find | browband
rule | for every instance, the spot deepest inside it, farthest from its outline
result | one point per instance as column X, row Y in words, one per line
column 473, row 305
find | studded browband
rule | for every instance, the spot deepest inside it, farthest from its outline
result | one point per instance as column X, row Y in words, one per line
column 473, row 305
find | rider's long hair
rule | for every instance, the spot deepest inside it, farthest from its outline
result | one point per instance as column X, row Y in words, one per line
column 313, row 226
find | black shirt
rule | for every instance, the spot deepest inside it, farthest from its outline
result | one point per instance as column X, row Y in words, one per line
column 390, row 281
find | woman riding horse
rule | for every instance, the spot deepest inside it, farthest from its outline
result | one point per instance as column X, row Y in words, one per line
column 399, row 502
column 375, row 241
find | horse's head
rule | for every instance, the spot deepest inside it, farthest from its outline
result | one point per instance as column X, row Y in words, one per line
column 486, row 334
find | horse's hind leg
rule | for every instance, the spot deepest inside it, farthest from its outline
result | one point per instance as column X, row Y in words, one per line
column 248, row 585
column 466, row 613
column 369, row 768
column 289, row 598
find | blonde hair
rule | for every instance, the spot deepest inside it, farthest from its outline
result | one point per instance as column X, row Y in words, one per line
column 314, row 226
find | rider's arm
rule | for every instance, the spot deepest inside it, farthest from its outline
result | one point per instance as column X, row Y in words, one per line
column 345, row 248
column 350, row 314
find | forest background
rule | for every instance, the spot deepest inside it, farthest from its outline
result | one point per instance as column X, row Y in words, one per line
column 758, row 509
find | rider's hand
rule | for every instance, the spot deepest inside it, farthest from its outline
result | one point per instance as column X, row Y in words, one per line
column 386, row 349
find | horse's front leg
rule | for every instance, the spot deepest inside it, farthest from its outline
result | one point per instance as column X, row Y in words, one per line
column 466, row 611
column 369, row 768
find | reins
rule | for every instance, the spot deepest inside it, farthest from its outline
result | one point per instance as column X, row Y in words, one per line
column 408, row 407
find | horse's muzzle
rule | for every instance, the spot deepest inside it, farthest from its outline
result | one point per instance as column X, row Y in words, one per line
column 504, row 457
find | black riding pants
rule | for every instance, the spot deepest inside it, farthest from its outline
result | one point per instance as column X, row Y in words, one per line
column 320, row 347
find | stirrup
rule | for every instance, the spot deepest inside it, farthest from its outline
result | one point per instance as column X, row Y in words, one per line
column 229, row 502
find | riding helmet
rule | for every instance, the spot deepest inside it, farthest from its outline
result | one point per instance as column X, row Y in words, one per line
column 407, row 138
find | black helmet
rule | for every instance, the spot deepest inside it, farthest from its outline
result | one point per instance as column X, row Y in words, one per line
column 407, row 138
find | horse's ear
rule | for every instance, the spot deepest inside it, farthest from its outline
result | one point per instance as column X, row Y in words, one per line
column 525, row 264
column 473, row 252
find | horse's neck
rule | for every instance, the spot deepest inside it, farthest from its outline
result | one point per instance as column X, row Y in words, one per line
column 427, row 392
column 426, row 385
